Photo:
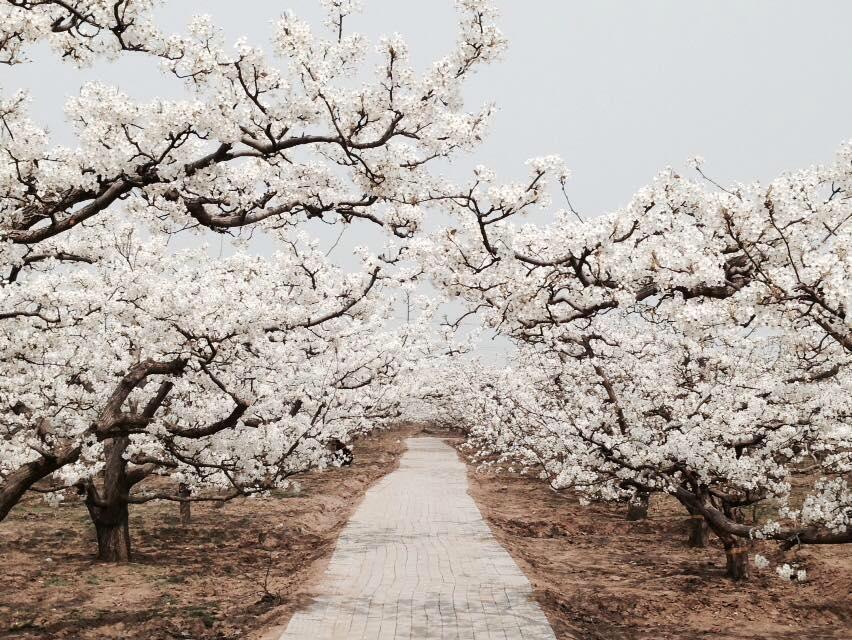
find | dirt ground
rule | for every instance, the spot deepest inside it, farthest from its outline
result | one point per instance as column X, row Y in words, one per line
column 599, row 577
column 240, row 571
column 235, row 572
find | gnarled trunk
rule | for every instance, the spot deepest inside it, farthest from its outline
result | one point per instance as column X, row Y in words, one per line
column 109, row 508
column 113, row 536
column 698, row 530
column 185, row 507
column 698, row 527
column 736, row 557
column 637, row 508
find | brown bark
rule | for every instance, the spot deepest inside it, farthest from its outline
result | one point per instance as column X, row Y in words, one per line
column 113, row 537
column 109, row 508
column 736, row 557
column 723, row 526
column 637, row 508
column 19, row 481
column 185, row 507
column 698, row 531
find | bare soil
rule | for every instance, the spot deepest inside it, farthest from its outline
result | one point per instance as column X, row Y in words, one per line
column 235, row 572
column 599, row 577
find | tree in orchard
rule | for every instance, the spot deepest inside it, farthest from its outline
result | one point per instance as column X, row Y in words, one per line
column 695, row 320
column 624, row 409
column 771, row 260
column 100, row 398
column 126, row 375
column 257, row 146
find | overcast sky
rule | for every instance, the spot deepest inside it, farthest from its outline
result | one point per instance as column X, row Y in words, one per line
column 619, row 88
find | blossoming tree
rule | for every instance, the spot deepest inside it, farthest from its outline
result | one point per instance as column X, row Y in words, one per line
column 230, row 376
column 123, row 358
column 695, row 343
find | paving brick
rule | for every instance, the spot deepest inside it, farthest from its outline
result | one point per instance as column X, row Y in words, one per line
column 418, row 562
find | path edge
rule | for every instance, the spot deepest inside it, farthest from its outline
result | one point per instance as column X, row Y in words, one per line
column 523, row 566
column 319, row 565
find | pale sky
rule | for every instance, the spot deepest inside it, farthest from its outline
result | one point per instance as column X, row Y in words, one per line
column 619, row 88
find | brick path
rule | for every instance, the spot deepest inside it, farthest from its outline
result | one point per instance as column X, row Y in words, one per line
column 417, row 561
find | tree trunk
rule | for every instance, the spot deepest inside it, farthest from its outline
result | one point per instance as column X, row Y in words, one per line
column 185, row 507
column 637, row 508
column 737, row 560
column 109, row 509
column 114, row 539
column 698, row 531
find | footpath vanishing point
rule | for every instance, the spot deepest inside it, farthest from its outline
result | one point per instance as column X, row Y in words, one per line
column 417, row 561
